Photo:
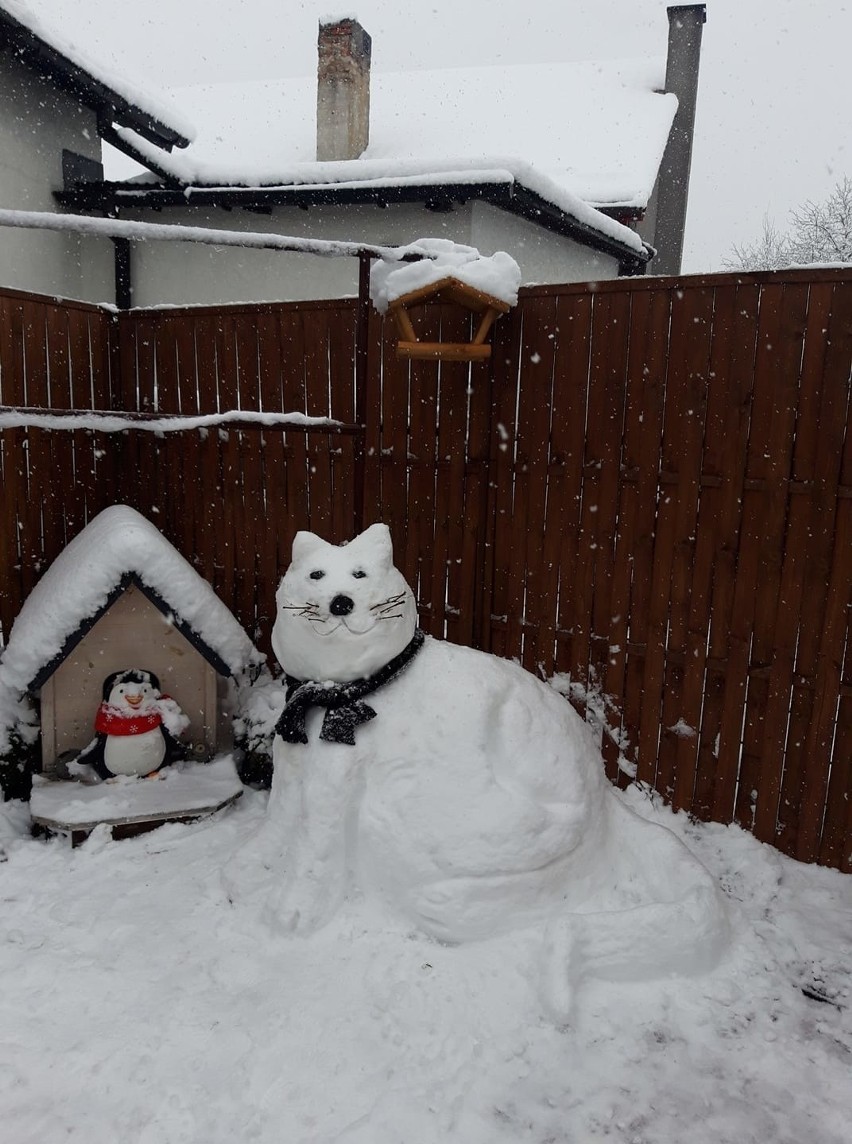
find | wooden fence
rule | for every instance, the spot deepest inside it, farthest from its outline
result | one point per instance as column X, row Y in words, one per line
column 648, row 490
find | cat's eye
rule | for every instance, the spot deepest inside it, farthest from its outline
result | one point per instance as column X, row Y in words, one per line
column 317, row 574
column 359, row 574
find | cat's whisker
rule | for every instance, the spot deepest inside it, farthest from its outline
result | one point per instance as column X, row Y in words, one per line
column 391, row 601
column 397, row 616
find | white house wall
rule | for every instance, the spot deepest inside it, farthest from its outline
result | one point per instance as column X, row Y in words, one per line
column 36, row 123
column 181, row 273
column 543, row 256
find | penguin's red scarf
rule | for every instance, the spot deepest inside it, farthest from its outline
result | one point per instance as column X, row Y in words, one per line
column 110, row 721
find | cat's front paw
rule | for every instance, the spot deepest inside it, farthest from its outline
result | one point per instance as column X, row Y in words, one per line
column 301, row 906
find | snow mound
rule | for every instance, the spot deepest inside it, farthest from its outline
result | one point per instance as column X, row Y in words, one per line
column 498, row 275
column 186, row 1020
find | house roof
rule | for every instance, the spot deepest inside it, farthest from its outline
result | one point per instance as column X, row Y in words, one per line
column 594, row 131
column 117, row 101
column 117, row 548
column 558, row 144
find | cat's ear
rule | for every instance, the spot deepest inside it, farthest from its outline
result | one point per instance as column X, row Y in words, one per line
column 374, row 547
column 306, row 547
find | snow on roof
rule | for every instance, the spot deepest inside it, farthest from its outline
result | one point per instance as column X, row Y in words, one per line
column 80, row 581
column 119, row 84
column 594, row 131
column 498, row 275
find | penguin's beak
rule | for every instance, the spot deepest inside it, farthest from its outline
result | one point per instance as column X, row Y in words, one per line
column 133, row 700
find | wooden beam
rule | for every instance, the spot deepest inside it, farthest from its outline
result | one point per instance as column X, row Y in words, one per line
column 457, row 291
column 443, row 351
column 403, row 324
column 485, row 325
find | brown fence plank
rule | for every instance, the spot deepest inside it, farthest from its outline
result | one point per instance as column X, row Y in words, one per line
column 341, row 343
column 777, row 612
column 315, row 350
column 830, row 586
column 271, row 565
column 62, row 397
column 648, row 354
column 727, row 647
column 533, row 434
column 605, row 453
column 693, row 556
column 511, row 559
column 501, row 506
column 476, row 553
column 570, row 411
column 722, row 408
column 452, row 453
column 759, row 538
column 422, row 391
column 40, row 533
column 395, row 418
column 295, row 401
column 465, row 381
column 836, row 839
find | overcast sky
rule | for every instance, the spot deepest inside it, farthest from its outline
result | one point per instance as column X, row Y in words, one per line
column 774, row 124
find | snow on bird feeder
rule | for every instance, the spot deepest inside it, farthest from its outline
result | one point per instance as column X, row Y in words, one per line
column 120, row 596
column 488, row 286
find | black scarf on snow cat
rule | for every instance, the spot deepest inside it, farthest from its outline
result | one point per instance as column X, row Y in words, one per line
column 342, row 701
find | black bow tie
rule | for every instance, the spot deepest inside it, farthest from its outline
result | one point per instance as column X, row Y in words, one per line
column 342, row 701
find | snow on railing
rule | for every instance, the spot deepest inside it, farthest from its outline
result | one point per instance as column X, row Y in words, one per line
column 103, row 421
column 172, row 232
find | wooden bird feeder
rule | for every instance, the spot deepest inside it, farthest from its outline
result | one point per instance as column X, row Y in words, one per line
column 449, row 290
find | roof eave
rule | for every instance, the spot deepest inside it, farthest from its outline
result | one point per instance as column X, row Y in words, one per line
column 510, row 196
column 75, row 80
column 527, row 204
column 121, row 586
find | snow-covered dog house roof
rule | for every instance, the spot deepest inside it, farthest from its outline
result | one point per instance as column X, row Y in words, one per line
column 119, row 596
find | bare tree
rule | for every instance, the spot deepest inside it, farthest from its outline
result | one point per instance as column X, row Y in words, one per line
column 818, row 233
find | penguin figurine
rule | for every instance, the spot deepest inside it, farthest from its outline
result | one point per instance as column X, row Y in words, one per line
column 131, row 737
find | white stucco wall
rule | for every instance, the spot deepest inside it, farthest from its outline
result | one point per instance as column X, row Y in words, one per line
column 175, row 274
column 543, row 256
column 36, row 122
column 180, row 273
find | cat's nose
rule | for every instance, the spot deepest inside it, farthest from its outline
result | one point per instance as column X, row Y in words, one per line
column 341, row 606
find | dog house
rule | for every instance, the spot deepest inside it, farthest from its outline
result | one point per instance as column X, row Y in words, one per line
column 121, row 596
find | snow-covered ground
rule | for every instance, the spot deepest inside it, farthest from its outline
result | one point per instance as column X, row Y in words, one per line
column 140, row 1005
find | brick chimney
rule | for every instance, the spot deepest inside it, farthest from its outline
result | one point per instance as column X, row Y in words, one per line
column 343, row 90
column 686, row 23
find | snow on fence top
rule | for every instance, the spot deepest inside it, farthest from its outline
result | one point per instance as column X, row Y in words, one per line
column 80, row 581
column 594, row 131
column 498, row 275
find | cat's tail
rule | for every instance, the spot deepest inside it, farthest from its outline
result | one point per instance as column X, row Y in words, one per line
column 677, row 923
